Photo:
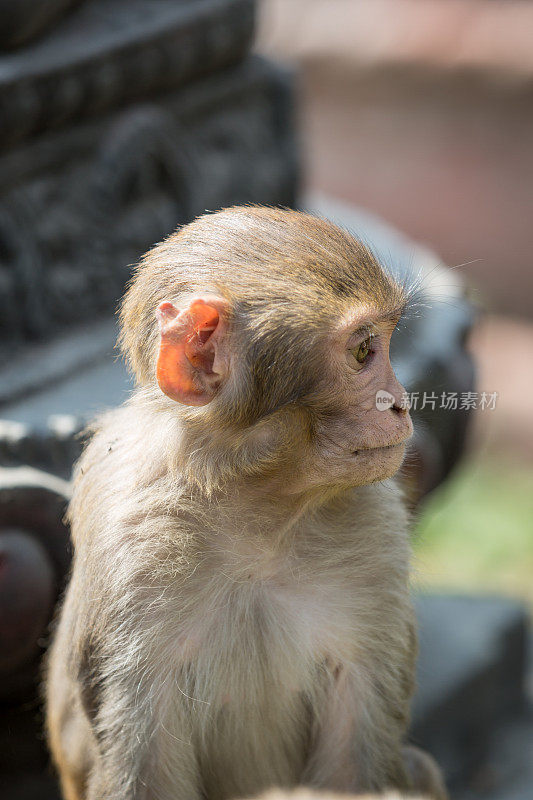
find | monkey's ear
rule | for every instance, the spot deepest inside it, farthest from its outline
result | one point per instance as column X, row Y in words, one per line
column 191, row 365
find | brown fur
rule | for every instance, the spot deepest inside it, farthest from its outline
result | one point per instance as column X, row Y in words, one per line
column 238, row 615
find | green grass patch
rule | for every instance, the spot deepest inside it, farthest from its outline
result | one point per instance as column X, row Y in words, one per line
column 476, row 532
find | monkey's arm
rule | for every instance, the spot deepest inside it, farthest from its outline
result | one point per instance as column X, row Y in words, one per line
column 357, row 742
column 114, row 728
column 357, row 736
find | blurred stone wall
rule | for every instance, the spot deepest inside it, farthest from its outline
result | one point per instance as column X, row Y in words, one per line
column 423, row 113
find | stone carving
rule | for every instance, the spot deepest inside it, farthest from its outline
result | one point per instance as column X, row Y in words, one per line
column 80, row 206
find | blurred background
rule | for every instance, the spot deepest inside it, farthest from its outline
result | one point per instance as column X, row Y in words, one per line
column 408, row 121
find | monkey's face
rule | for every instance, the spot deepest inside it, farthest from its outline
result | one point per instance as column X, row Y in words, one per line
column 338, row 433
column 362, row 425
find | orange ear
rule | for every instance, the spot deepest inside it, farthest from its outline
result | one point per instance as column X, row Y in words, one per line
column 188, row 369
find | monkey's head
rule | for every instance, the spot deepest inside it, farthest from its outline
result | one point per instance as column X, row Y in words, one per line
column 265, row 334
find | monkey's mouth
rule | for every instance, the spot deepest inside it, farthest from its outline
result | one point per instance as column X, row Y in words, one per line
column 382, row 448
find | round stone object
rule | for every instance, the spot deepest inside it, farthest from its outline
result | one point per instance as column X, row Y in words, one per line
column 34, row 559
column 27, row 594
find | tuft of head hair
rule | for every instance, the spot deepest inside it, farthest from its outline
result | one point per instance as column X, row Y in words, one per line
column 288, row 277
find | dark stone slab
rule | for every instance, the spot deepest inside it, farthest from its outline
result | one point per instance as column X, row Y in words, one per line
column 471, row 677
column 110, row 52
column 507, row 772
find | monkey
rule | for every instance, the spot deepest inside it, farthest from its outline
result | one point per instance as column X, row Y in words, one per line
column 238, row 615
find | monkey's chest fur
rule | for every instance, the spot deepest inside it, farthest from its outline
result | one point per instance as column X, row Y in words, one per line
column 255, row 680
column 253, row 655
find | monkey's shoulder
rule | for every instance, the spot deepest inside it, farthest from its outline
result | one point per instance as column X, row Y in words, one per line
column 123, row 465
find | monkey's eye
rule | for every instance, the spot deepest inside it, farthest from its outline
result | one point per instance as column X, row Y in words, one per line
column 362, row 352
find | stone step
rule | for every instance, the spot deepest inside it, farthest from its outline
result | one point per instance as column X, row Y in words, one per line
column 472, row 671
column 507, row 773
